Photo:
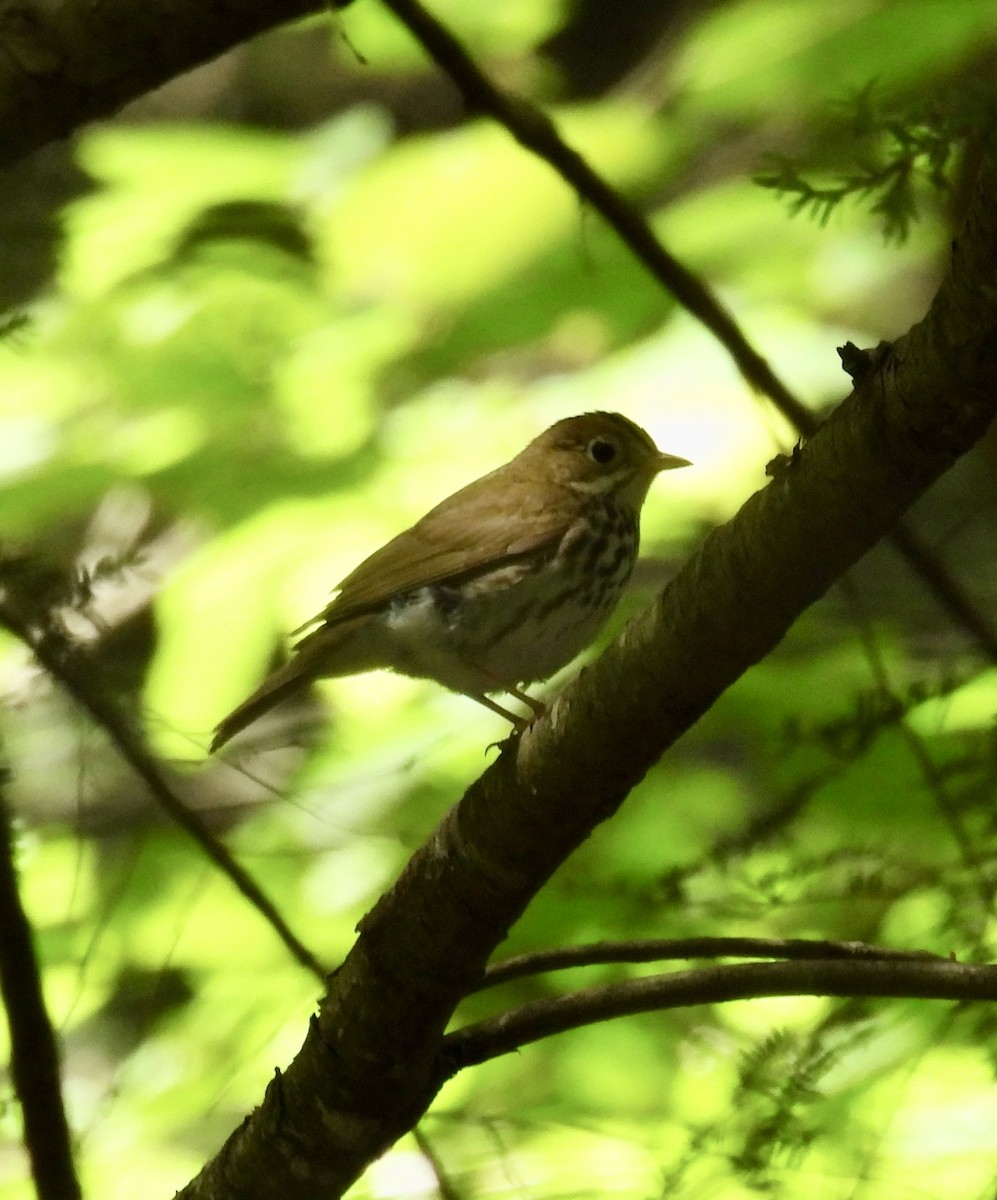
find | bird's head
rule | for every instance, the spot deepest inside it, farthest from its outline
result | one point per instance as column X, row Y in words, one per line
column 600, row 454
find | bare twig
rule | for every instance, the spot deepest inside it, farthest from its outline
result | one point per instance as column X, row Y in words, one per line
column 659, row 950
column 932, row 776
column 939, row 980
column 534, row 130
column 56, row 657
column 945, row 591
column 444, row 1184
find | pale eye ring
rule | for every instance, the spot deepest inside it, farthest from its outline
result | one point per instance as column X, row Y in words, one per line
column 601, row 451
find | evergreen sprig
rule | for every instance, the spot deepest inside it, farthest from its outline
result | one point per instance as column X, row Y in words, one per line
column 895, row 155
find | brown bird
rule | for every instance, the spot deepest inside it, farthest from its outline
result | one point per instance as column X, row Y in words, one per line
column 501, row 584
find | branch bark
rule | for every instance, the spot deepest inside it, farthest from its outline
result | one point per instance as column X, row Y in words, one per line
column 67, row 63
column 374, row 1053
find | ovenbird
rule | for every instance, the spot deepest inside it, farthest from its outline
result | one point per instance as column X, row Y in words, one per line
column 501, row 584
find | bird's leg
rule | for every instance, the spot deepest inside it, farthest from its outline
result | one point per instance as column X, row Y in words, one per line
column 519, row 723
column 538, row 706
column 499, row 685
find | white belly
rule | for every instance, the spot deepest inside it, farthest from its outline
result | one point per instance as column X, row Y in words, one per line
column 515, row 625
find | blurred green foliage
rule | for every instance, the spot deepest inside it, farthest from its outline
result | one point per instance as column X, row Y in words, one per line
column 265, row 353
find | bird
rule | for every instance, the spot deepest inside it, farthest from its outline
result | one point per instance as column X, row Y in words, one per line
column 499, row 586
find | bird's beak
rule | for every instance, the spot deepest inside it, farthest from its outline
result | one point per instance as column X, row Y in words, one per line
column 670, row 462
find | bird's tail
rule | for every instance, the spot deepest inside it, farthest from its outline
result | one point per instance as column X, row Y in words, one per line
column 285, row 682
column 339, row 648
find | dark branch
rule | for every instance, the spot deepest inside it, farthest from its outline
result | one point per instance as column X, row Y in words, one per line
column 445, row 1186
column 940, row 980
column 945, row 591
column 534, row 130
column 652, row 950
column 64, row 64
column 34, row 1052
column 57, row 659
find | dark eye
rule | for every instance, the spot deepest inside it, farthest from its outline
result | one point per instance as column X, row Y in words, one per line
column 601, row 451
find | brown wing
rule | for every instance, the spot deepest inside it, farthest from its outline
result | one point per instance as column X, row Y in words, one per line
column 478, row 526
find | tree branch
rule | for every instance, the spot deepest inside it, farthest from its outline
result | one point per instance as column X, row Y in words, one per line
column 370, row 1063
column 659, row 950
column 34, row 1051
column 56, row 657
column 67, row 63
column 940, row 980
column 535, row 131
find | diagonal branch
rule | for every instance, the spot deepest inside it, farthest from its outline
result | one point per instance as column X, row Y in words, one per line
column 57, row 660
column 371, row 1061
column 535, row 131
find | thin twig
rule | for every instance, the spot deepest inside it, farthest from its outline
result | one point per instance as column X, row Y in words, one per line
column 534, row 130
column 444, row 1184
column 933, row 778
column 940, row 980
column 948, row 595
column 34, row 1053
column 56, row 657
column 663, row 949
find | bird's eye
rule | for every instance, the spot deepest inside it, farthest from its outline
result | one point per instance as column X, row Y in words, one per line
column 601, row 451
